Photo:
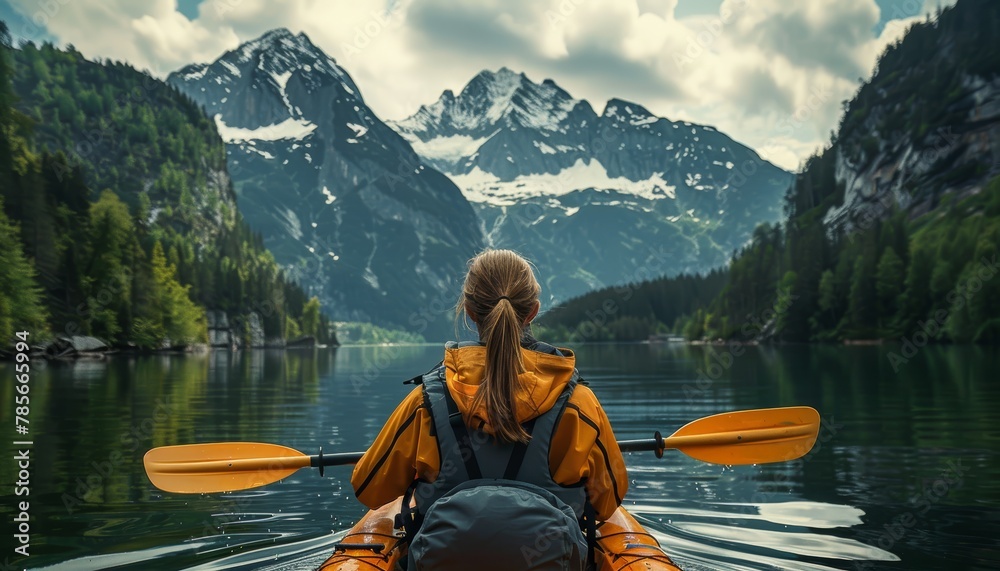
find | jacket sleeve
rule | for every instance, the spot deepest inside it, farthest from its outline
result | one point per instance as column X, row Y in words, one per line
column 402, row 451
column 584, row 448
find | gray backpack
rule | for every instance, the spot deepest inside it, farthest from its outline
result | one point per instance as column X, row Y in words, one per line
column 494, row 506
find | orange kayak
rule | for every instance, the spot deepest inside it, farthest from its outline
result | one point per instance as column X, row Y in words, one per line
column 372, row 544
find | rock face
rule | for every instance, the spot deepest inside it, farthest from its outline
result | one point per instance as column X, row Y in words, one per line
column 219, row 334
column 344, row 203
column 926, row 127
column 249, row 331
column 595, row 200
column 915, row 173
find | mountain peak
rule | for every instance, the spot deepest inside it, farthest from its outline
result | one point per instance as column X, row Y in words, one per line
column 277, row 34
column 629, row 111
column 283, row 70
column 498, row 86
column 491, row 102
column 280, row 40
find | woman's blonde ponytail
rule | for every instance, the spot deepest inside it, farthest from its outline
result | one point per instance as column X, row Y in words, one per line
column 501, row 293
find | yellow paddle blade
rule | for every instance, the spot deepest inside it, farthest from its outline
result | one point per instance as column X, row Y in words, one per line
column 220, row 466
column 749, row 436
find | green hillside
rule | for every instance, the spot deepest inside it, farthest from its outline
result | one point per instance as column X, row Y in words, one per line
column 118, row 215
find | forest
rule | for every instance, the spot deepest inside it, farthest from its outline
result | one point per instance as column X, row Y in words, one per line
column 118, row 219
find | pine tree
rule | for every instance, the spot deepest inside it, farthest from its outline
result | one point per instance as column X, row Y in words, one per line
column 181, row 321
column 888, row 284
column 109, row 291
column 20, row 297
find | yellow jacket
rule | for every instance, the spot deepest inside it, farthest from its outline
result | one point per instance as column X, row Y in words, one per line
column 583, row 447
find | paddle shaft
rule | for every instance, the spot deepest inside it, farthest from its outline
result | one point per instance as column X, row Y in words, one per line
column 715, row 439
column 643, row 445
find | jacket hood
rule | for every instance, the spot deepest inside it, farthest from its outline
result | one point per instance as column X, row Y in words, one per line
column 543, row 381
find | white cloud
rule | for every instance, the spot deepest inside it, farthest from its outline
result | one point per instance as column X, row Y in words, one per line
column 769, row 73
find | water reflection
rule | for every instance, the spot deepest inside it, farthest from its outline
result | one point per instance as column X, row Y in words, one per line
column 906, row 468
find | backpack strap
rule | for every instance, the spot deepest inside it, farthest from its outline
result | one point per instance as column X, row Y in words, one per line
column 461, row 432
column 517, row 455
column 452, row 435
column 419, row 379
column 537, row 449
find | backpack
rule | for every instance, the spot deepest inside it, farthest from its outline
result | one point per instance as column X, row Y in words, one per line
column 494, row 506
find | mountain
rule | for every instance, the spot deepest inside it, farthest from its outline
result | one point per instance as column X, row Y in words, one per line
column 594, row 200
column 343, row 201
column 119, row 191
column 894, row 229
column 925, row 126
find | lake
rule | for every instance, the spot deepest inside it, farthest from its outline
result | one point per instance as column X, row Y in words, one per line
column 906, row 473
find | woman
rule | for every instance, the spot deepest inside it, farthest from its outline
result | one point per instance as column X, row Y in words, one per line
column 503, row 386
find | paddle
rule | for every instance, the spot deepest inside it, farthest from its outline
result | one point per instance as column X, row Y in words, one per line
column 743, row 437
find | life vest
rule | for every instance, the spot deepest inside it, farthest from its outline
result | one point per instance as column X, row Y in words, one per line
column 493, row 492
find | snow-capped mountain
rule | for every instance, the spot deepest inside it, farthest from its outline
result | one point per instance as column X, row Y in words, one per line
column 594, row 199
column 343, row 202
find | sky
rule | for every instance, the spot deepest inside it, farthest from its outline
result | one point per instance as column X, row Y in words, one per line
column 770, row 73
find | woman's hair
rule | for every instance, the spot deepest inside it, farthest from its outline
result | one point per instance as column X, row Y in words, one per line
column 500, row 292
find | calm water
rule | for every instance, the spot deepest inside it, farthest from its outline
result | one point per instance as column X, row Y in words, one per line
column 906, row 474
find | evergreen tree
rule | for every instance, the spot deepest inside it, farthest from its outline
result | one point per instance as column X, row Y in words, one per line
column 21, row 306
column 181, row 321
column 888, row 284
column 863, row 304
column 109, row 283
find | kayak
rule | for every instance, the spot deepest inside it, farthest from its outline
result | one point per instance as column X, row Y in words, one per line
column 373, row 544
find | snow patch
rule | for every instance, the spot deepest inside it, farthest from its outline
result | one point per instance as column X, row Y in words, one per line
column 287, row 129
column 483, row 187
column 359, row 130
column 232, row 69
column 450, row 148
column 291, row 223
column 195, row 75
column 264, row 154
column 281, row 79
column 546, row 150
